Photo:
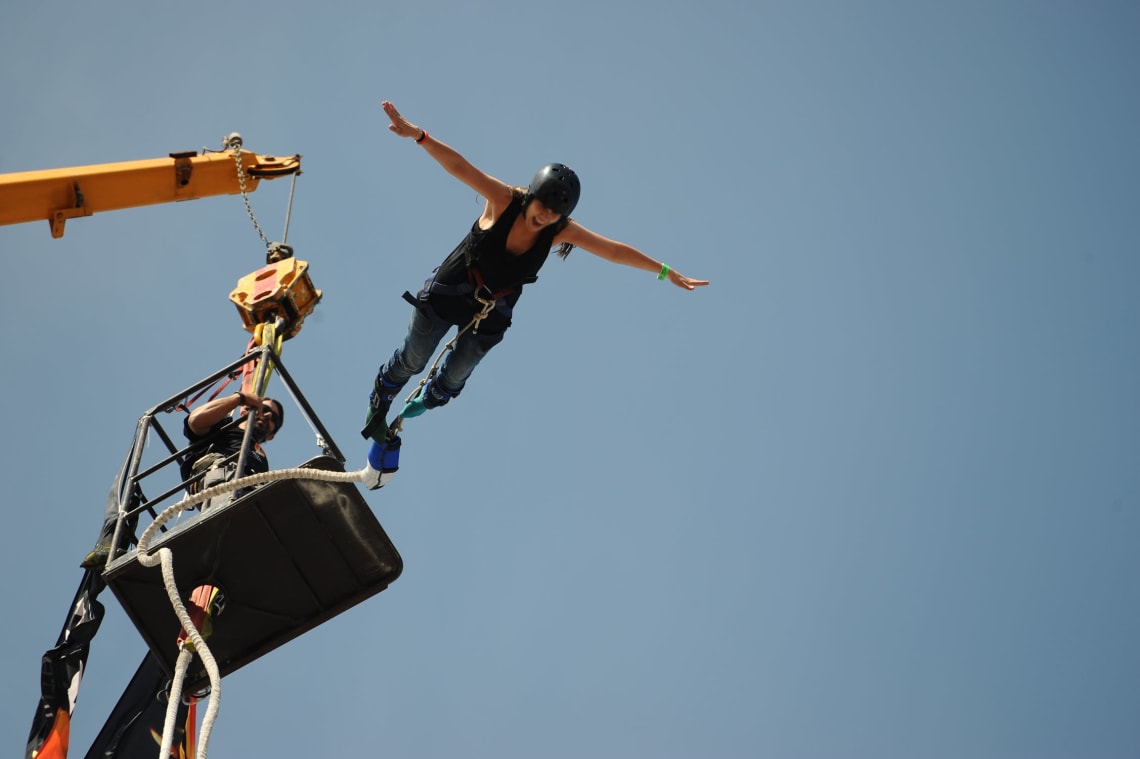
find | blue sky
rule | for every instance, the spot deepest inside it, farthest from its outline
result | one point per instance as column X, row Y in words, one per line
column 872, row 493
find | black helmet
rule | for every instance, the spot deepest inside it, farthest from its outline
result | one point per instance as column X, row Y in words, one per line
column 557, row 187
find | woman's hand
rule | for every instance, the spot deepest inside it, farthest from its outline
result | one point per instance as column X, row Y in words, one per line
column 400, row 126
column 680, row 280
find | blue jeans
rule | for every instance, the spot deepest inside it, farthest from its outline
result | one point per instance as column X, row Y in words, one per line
column 420, row 343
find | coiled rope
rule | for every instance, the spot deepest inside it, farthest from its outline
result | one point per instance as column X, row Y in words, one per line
column 165, row 557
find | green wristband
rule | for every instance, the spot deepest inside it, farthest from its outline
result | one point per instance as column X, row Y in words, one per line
column 664, row 271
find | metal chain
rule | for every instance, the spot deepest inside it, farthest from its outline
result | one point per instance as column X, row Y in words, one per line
column 234, row 142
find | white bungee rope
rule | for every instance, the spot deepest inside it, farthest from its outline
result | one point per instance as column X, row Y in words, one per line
column 165, row 557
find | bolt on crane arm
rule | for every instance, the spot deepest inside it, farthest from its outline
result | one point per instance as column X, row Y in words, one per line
column 57, row 195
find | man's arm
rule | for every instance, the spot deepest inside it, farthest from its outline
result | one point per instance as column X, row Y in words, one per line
column 208, row 414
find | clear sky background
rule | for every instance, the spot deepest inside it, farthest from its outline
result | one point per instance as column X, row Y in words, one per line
column 874, row 492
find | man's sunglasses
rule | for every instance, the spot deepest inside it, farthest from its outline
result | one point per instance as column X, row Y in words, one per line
column 274, row 414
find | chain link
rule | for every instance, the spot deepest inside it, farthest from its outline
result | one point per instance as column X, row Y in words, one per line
column 234, row 142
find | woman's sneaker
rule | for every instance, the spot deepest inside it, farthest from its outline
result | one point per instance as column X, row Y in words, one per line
column 429, row 397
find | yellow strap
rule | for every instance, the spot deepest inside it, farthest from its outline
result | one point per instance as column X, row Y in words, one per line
column 266, row 334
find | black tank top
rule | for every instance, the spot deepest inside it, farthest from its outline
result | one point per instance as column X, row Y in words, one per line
column 501, row 270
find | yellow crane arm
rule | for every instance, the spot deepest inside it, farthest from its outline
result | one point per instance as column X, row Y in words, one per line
column 61, row 194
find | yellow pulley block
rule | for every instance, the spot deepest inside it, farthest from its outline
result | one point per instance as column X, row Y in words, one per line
column 281, row 289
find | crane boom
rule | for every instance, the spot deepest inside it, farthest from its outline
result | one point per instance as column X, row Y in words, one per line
column 57, row 195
